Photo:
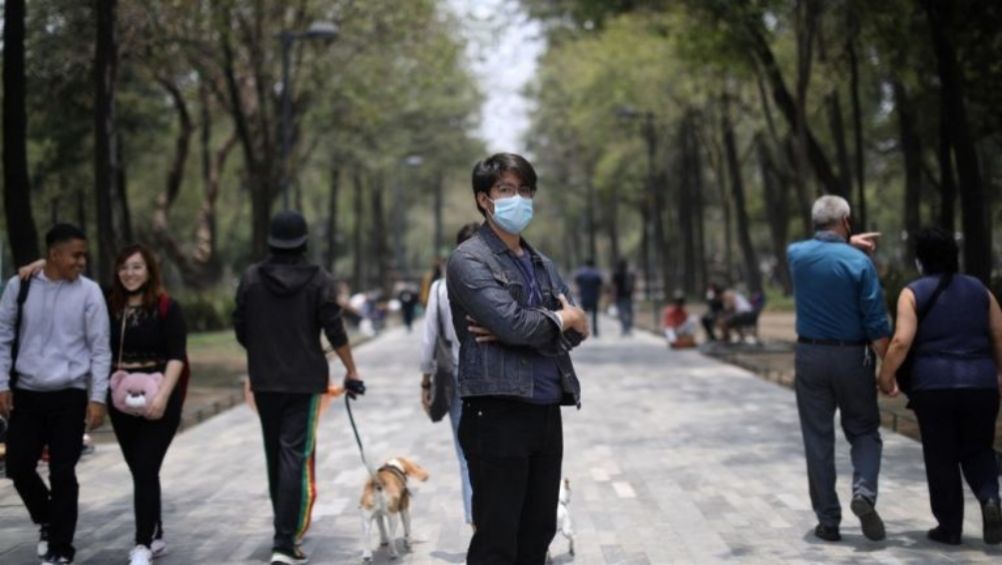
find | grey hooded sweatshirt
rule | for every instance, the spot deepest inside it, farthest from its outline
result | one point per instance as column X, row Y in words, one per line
column 64, row 336
column 282, row 306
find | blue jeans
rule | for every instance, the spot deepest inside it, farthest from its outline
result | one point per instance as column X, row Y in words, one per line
column 455, row 414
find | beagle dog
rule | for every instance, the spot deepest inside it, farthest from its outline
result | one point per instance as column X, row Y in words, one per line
column 384, row 497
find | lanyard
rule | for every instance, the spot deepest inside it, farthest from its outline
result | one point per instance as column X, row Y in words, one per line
column 530, row 276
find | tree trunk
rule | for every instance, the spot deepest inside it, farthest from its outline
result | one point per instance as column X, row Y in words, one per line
column 590, row 216
column 332, row 200
column 381, row 252
column 752, row 275
column 857, row 126
column 105, row 152
column 777, row 211
column 645, row 248
column 21, row 229
column 175, row 176
column 359, row 247
column 122, row 196
column 696, row 178
column 947, row 178
column 911, row 149
column 686, row 210
column 439, row 197
column 974, row 204
column 841, row 151
column 611, row 208
column 789, row 108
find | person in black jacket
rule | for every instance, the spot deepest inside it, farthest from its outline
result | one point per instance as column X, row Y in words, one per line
column 282, row 305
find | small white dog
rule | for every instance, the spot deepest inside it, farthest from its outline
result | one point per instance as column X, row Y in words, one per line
column 564, row 524
column 383, row 502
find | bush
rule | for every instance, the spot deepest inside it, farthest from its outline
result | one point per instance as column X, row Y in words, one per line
column 208, row 310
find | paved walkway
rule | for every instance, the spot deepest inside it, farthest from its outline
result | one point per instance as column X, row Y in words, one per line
column 674, row 458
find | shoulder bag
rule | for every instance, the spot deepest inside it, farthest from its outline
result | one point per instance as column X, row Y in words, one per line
column 443, row 382
column 904, row 373
column 132, row 393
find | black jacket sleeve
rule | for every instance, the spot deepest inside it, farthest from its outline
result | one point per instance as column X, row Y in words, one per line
column 329, row 312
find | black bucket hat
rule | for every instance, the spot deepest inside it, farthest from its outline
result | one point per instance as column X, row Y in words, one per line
column 288, row 230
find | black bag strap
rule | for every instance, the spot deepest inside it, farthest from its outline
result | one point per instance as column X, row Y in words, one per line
column 22, row 296
column 944, row 281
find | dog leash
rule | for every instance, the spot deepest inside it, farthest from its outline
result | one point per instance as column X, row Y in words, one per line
column 358, row 440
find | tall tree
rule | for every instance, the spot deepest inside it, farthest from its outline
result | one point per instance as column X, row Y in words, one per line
column 752, row 275
column 974, row 202
column 105, row 150
column 911, row 149
column 17, row 191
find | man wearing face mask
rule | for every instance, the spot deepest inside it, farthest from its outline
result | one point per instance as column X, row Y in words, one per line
column 516, row 326
column 841, row 322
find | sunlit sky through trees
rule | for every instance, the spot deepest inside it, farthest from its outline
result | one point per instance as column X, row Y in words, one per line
column 503, row 46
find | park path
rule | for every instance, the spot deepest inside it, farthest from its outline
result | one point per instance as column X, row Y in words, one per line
column 674, row 458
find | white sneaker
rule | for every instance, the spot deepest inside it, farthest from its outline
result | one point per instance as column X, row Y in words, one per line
column 140, row 555
column 42, row 549
column 158, row 548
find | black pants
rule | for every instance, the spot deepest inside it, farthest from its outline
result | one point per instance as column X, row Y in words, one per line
column 593, row 310
column 289, row 425
column 144, row 444
column 55, row 419
column 514, row 451
column 958, row 432
column 709, row 321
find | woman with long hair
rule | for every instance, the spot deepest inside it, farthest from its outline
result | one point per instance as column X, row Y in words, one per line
column 148, row 335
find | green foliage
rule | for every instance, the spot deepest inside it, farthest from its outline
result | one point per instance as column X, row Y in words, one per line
column 208, row 310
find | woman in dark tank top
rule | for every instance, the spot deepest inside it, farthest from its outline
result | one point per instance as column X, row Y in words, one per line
column 955, row 381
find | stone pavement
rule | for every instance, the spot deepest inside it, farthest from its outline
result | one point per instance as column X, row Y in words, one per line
column 674, row 458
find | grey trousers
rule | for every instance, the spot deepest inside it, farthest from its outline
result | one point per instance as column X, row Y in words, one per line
column 829, row 377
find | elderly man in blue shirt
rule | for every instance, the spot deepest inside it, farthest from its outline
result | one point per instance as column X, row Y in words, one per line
column 841, row 322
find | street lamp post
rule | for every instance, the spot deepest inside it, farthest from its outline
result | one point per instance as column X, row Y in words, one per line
column 286, row 38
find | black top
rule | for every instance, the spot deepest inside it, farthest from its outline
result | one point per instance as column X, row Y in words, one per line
column 149, row 337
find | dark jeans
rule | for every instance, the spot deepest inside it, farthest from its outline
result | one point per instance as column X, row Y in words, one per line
column 958, row 432
column 514, row 452
column 625, row 307
column 592, row 308
column 55, row 419
column 289, row 425
column 144, row 444
column 709, row 321
column 830, row 377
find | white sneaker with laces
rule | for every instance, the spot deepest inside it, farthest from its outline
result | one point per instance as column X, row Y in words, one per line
column 140, row 555
column 158, row 548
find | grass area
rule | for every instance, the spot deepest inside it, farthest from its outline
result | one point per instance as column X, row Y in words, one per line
column 775, row 301
column 217, row 360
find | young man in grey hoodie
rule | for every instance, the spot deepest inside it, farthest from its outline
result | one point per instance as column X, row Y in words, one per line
column 56, row 386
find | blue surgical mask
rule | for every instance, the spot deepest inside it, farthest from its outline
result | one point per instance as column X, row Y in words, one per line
column 513, row 214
